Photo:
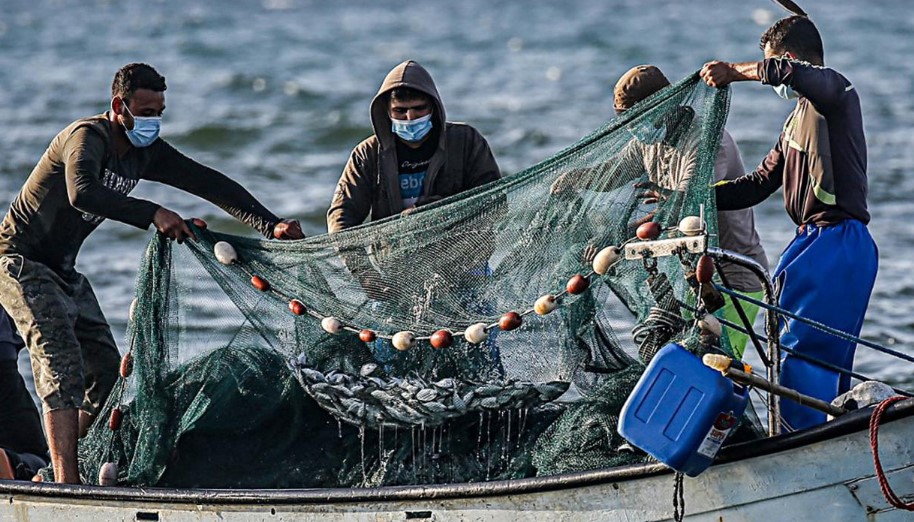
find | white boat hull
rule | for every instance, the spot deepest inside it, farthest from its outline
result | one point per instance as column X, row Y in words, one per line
column 789, row 479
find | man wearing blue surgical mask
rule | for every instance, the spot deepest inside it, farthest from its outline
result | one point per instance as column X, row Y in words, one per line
column 827, row 272
column 84, row 177
column 414, row 157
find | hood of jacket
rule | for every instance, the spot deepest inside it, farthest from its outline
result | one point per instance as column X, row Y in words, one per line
column 407, row 74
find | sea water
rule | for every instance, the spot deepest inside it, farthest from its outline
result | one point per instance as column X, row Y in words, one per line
column 276, row 93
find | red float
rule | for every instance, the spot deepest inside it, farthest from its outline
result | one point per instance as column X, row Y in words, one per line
column 367, row 336
column 297, row 307
column 260, row 283
column 441, row 339
column 648, row 231
column 510, row 321
column 126, row 365
column 577, row 284
column 116, row 418
column 199, row 223
column 704, row 270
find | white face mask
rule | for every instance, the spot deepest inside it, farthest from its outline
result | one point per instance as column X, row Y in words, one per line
column 784, row 91
column 412, row 130
column 145, row 129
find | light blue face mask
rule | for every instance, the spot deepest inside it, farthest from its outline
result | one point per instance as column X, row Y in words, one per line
column 145, row 129
column 784, row 91
column 412, row 130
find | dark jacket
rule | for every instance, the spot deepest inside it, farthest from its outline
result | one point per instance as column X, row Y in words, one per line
column 370, row 185
column 820, row 158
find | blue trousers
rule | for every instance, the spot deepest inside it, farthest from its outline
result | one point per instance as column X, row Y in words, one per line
column 826, row 274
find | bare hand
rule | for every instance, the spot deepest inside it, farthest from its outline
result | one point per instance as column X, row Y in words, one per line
column 407, row 211
column 171, row 225
column 562, row 184
column 589, row 252
column 653, row 193
column 375, row 286
column 717, row 73
column 288, row 229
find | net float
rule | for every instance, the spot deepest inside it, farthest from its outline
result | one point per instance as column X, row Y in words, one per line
column 605, row 259
column 260, row 283
column 367, row 336
column 199, row 223
column 107, row 474
column 691, row 226
column 704, row 269
column 117, row 417
column 297, row 307
column 577, row 284
column 648, row 231
column 476, row 333
column 404, row 340
column 132, row 311
column 331, row 325
column 510, row 321
column 126, row 365
column 545, row 304
column 441, row 339
column 225, row 253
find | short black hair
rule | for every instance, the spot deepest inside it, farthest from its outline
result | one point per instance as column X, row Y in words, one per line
column 135, row 76
column 796, row 34
column 407, row 94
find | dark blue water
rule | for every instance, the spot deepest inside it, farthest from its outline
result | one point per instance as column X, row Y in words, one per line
column 275, row 93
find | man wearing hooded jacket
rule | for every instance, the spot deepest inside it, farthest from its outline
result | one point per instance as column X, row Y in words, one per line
column 414, row 157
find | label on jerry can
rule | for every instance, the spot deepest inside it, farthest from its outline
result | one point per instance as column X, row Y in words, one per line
column 716, row 436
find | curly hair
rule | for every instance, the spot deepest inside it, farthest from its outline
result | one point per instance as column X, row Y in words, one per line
column 135, row 76
column 796, row 34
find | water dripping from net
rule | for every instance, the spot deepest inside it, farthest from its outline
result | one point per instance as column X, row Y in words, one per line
column 362, row 446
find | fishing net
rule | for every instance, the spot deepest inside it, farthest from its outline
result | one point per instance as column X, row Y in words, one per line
column 256, row 372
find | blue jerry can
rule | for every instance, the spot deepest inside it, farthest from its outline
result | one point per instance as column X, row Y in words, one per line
column 681, row 411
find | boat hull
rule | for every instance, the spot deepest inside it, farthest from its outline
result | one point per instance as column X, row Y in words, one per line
column 824, row 473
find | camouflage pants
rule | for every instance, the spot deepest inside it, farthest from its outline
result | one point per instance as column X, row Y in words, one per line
column 74, row 356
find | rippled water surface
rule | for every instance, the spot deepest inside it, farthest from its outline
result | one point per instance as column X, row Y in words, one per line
column 275, row 93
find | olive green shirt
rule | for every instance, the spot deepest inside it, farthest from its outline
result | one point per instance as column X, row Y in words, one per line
column 80, row 181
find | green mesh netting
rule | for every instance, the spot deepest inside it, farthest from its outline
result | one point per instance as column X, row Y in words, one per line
column 232, row 389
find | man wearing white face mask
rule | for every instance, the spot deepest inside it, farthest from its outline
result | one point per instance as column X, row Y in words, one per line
column 828, row 270
column 83, row 178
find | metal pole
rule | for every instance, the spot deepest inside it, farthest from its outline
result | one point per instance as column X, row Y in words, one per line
column 771, row 330
column 723, row 365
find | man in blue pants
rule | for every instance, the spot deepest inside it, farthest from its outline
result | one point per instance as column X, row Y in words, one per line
column 827, row 272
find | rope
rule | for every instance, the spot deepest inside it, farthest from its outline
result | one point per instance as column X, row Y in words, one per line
column 678, row 498
column 816, row 324
column 814, row 360
column 887, row 491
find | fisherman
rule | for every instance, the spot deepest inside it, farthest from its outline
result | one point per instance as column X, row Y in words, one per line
column 736, row 229
column 415, row 157
column 668, row 168
column 827, row 272
column 84, row 177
